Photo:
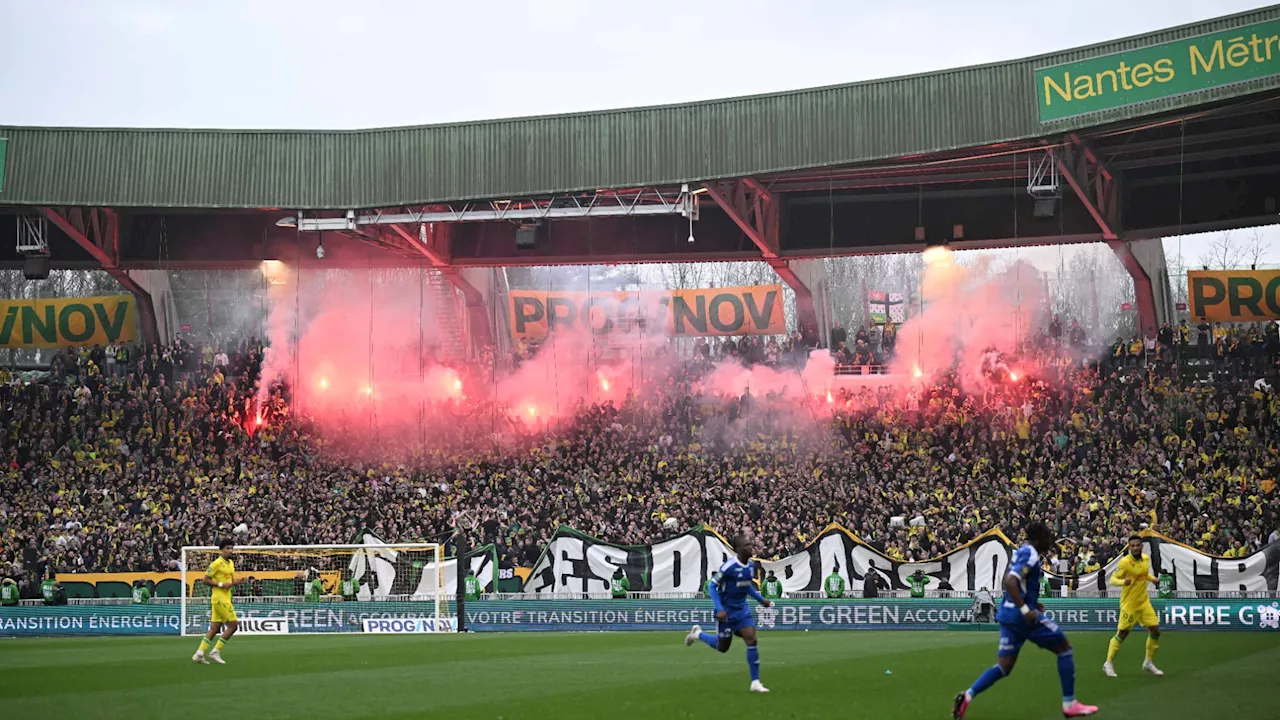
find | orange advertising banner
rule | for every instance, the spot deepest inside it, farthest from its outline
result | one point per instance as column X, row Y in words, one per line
column 750, row 310
column 1234, row 296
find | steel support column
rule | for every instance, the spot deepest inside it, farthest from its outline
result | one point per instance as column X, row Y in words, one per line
column 806, row 314
column 1096, row 188
column 433, row 242
column 755, row 211
column 104, row 246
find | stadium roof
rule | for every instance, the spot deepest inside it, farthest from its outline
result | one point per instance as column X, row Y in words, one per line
column 653, row 146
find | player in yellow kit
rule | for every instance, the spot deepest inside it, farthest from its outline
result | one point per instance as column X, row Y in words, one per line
column 1133, row 573
column 221, row 576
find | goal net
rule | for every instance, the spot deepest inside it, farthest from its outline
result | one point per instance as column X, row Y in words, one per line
column 374, row 588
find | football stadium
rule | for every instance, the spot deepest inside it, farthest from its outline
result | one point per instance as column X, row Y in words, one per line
column 815, row 403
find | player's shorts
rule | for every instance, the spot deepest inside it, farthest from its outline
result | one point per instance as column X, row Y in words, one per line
column 223, row 612
column 1144, row 616
column 1044, row 634
column 733, row 625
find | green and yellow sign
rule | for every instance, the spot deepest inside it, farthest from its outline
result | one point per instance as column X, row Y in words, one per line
column 749, row 310
column 1234, row 296
column 67, row 322
column 1160, row 71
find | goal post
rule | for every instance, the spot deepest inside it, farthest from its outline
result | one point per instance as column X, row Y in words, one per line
column 391, row 588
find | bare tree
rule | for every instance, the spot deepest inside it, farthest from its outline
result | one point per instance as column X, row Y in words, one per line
column 1070, row 294
column 681, row 276
column 734, row 274
column 1224, row 253
column 1176, row 267
column 849, row 276
column 842, row 289
column 1256, row 248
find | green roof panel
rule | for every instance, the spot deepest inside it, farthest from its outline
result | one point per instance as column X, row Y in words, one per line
column 661, row 145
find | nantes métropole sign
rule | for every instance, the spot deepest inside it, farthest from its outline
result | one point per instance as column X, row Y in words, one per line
column 1159, row 71
column 752, row 310
column 67, row 322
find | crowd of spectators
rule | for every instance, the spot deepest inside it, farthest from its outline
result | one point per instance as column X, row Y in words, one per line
column 786, row 350
column 115, row 466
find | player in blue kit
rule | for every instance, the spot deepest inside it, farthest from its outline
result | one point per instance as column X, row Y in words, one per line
column 734, row 583
column 1021, row 620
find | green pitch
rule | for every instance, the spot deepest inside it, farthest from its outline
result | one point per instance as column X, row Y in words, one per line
column 637, row 675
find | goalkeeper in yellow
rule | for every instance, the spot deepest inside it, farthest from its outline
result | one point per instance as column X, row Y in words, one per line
column 221, row 576
column 1133, row 573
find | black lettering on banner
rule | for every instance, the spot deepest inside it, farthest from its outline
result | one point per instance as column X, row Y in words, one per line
column 1208, row 581
column 715, row 554
column 985, row 565
column 851, row 561
column 1152, row 549
column 639, row 569
column 481, row 562
column 713, row 313
column 1206, row 292
column 47, row 328
column 761, row 316
column 602, row 561
column 542, row 577
column 556, row 318
column 6, row 329
column 682, row 313
column 604, row 308
column 571, row 563
column 1238, row 299
column 683, row 563
column 832, row 554
column 677, row 564
column 1271, row 566
column 789, row 571
column 629, row 311
column 796, row 572
column 113, row 325
column 527, row 310
column 86, row 321
column 1270, row 296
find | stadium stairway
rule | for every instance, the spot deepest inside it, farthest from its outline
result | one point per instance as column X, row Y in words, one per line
column 453, row 345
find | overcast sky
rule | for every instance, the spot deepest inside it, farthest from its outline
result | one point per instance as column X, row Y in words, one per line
column 329, row 64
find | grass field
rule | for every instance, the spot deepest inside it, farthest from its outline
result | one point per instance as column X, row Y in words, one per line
column 639, row 675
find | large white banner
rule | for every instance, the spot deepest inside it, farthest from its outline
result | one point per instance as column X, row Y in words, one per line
column 1193, row 570
column 378, row 574
column 573, row 562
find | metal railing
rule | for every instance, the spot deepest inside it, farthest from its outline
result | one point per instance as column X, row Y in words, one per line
column 862, row 370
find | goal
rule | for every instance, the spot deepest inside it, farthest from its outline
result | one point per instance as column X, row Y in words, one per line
column 372, row 588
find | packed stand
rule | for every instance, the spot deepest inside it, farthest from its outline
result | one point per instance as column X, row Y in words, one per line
column 115, row 466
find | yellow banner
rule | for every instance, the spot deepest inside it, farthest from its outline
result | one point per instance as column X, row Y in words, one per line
column 127, row 578
column 329, row 578
column 67, row 322
column 751, row 310
column 1234, row 296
